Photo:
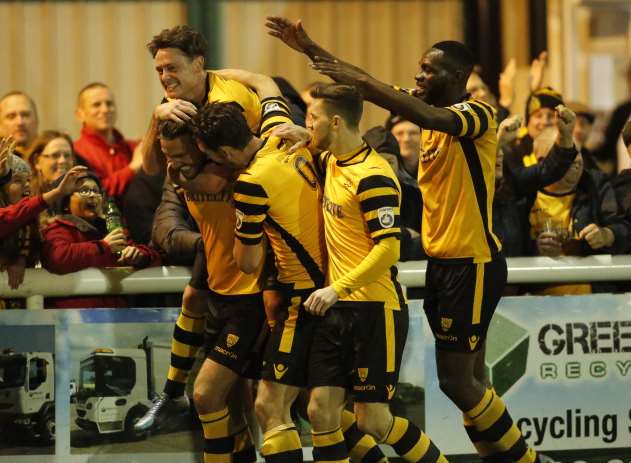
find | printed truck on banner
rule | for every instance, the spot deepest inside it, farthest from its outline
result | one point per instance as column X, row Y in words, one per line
column 117, row 385
column 27, row 393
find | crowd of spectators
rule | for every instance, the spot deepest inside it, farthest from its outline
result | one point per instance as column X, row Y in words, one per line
column 559, row 190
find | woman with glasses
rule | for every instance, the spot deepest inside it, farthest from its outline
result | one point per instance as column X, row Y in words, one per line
column 51, row 156
column 77, row 239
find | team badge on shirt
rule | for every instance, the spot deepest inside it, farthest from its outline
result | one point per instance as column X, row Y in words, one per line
column 462, row 107
column 269, row 107
column 386, row 216
column 231, row 339
column 240, row 216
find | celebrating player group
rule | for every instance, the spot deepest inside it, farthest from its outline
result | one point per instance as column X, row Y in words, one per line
column 296, row 287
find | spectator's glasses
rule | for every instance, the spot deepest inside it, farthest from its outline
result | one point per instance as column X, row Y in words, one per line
column 56, row 156
column 86, row 192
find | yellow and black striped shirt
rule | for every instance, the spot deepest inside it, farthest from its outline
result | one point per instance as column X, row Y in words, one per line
column 279, row 195
column 215, row 213
column 361, row 203
column 457, row 181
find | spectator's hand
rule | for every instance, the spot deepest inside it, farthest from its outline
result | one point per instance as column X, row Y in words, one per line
column 7, row 145
column 549, row 244
column 320, row 301
column 133, row 256
column 136, row 158
column 180, row 111
column 116, row 240
column 507, row 131
column 597, row 237
column 71, row 180
column 340, row 71
column 507, row 84
column 67, row 186
column 298, row 136
column 15, row 271
column 537, row 71
column 291, row 33
column 566, row 120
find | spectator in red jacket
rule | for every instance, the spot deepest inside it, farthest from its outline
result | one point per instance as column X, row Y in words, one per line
column 77, row 239
column 19, row 235
column 101, row 147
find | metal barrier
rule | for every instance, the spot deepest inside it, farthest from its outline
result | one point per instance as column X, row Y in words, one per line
column 39, row 283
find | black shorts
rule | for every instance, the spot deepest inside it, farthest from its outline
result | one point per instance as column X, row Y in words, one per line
column 461, row 299
column 289, row 343
column 239, row 333
column 199, row 272
column 359, row 347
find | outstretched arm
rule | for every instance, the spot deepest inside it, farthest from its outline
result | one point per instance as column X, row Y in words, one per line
column 263, row 85
column 294, row 36
column 379, row 93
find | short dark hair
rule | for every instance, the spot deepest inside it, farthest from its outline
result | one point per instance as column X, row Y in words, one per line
column 222, row 124
column 90, row 86
column 457, row 54
column 184, row 38
column 344, row 100
column 170, row 130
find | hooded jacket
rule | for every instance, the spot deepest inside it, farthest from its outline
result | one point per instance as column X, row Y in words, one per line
column 71, row 244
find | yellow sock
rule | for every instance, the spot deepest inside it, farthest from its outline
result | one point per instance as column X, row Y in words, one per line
column 282, row 445
column 411, row 443
column 188, row 337
column 362, row 448
column 496, row 435
column 329, row 447
column 219, row 444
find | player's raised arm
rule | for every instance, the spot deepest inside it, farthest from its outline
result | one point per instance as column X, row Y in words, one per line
column 409, row 107
column 263, row 85
column 294, row 36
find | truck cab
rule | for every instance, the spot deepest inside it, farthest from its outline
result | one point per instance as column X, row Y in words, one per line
column 27, row 393
column 116, row 387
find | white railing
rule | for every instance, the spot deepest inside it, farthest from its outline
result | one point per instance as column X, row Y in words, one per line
column 39, row 283
column 604, row 267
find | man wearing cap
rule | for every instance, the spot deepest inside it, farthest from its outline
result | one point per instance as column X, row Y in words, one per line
column 542, row 109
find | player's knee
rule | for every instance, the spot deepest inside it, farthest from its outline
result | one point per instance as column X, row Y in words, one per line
column 202, row 397
column 320, row 414
column 374, row 421
column 208, row 399
column 456, row 387
column 265, row 408
column 371, row 426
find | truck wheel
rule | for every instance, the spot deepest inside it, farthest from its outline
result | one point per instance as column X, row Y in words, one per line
column 46, row 427
column 132, row 417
